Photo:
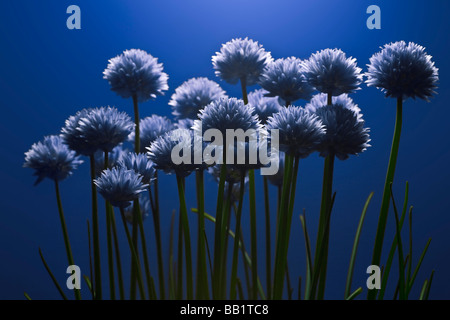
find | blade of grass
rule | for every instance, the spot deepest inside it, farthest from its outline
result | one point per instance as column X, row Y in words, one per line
column 351, row 267
column 423, row 291
column 416, row 270
column 402, row 287
column 88, row 282
column 309, row 266
column 427, row 292
column 354, row 294
column 390, row 259
column 55, row 282
column 27, row 296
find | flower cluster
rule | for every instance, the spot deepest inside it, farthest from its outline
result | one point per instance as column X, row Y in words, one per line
column 52, row 159
column 331, row 72
column 241, row 59
column 193, row 95
column 403, row 71
column 120, row 186
column 136, row 73
column 285, row 78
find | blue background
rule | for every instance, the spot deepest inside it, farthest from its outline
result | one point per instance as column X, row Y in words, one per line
column 49, row 72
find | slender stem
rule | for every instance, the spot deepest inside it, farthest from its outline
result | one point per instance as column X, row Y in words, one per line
column 224, row 250
column 254, row 252
column 90, row 259
column 280, row 262
column 325, row 211
column 134, row 255
column 187, row 237
column 157, row 227
column 268, row 244
column 180, row 259
column 95, row 234
column 219, row 233
column 288, row 103
column 134, row 237
column 65, row 234
column 145, row 256
column 378, row 246
column 286, row 223
column 236, row 240
column 117, row 250
column 202, row 272
column 112, row 289
column 137, row 140
column 329, row 99
column 244, row 89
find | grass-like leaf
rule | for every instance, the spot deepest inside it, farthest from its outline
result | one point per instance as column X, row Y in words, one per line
column 351, row 267
column 61, row 292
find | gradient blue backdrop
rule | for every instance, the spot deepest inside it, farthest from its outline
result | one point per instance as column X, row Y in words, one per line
column 49, row 72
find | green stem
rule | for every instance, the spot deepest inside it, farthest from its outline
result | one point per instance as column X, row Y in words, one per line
column 244, row 90
column 219, row 233
column 95, row 234
column 236, row 240
column 280, row 262
column 137, row 140
column 145, row 256
column 254, row 251
column 268, row 244
column 325, row 212
column 187, row 237
column 379, row 238
column 66, row 234
column 180, row 259
column 202, row 272
column 108, row 210
column 158, row 248
column 117, row 250
column 134, row 255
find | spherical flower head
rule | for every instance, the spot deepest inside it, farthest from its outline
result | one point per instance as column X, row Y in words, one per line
column 193, row 95
column 263, row 106
column 320, row 100
column 227, row 113
column 331, row 72
column 52, row 159
column 241, row 59
column 151, row 128
column 72, row 136
column 144, row 206
column 104, row 128
column 285, row 78
column 160, row 152
column 403, row 71
column 120, row 186
column 277, row 178
column 345, row 132
column 114, row 156
column 139, row 163
column 135, row 72
column 299, row 131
